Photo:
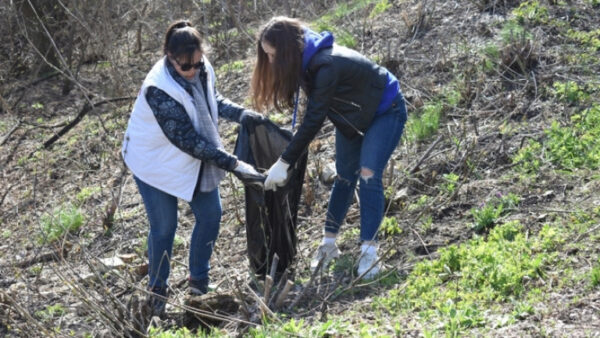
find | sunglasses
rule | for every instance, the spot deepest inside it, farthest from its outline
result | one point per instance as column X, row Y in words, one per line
column 187, row 66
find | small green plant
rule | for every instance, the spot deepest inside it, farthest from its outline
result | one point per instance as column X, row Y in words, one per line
column 37, row 106
column 591, row 39
column 576, row 146
column 527, row 158
column 419, row 203
column 389, row 227
column 595, row 275
column 6, row 234
column 232, row 66
column 61, row 221
column 487, row 215
column 523, row 310
column 569, row 92
column 380, row 7
column 513, row 32
column 426, row 222
column 51, row 311
column 421, row 127
column 85, row 193
column 531, row 12
column 178, row 242
column 449, row 184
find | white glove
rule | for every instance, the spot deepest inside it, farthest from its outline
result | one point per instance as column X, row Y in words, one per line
column 248, row 175
column 277, row 175
column 245, row 169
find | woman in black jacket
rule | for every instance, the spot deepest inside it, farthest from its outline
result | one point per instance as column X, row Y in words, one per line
column 363, row 101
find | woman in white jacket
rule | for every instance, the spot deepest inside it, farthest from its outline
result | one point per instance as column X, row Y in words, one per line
column 173, row 149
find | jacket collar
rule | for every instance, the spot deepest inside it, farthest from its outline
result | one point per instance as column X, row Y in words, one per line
column 313, row 43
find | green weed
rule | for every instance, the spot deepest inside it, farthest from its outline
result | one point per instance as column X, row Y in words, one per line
column 380, row 7
column 63, row 220
column 86, row 193
column 576, row 146
column 486, row 216
column 51, row 311
column 527, row 158
column 449, row 184
column 234, row 66
column 590, row 40
column 595, row 275
column 298, row 328
column 531, row 12
column 513, row 32
column 6, row 234
column 389, row 227
column 422, row 126
column 569, row 92
column 469, row 277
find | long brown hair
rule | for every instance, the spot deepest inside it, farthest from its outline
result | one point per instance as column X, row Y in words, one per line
column 274, row 85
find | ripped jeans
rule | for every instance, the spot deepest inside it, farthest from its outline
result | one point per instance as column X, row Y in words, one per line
column 366, row 157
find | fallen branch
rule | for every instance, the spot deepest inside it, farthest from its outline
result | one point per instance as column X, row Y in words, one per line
column 426, row 154
column 86, row 109
column 10, row 132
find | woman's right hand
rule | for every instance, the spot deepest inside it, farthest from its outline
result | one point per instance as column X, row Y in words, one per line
column 248, row 175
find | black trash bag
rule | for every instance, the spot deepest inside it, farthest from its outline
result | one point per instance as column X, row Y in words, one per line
column 270, row 215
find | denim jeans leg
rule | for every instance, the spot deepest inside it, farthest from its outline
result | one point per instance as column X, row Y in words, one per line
column 207, row 210
column 161, row 209
column 378, row 144
column 347, row 156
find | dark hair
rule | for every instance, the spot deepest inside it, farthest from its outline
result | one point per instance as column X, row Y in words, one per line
column 182, row 40
column 275, row 84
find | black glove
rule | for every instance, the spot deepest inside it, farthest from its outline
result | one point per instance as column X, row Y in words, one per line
column 248, row 175
column 249, row 115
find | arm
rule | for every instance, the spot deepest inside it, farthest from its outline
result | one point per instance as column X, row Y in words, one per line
column 316, row 111
column 177, row 127
column 229, row 110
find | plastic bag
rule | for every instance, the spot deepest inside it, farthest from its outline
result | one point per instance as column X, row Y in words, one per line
column 270, row 215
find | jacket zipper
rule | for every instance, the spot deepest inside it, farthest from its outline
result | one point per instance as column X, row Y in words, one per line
column 348, row 122
column 354, row 104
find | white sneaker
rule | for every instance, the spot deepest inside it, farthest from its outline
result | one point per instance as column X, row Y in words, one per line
column 366, row 263
column 325, row 252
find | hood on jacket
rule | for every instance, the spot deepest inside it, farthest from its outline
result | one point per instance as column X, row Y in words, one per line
column 313, row 42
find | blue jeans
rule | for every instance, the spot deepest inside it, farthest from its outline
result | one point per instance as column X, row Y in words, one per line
column 372, row 152
column 161, row 209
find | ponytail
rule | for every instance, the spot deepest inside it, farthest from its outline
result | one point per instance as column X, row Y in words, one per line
column 182, row 39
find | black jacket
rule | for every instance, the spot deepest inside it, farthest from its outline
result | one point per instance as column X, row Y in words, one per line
column 344, row 86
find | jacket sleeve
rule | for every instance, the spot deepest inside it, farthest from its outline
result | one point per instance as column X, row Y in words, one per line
column 324, row 84
column 227, row 109
column 179, row 130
